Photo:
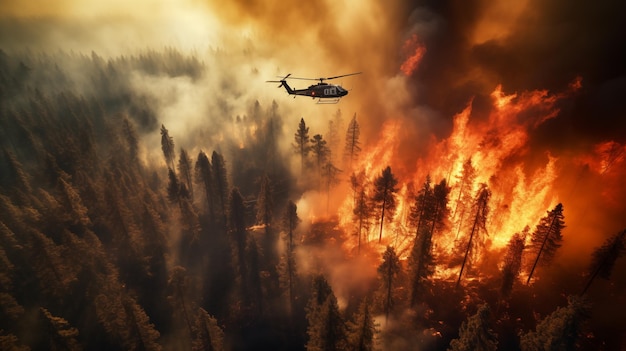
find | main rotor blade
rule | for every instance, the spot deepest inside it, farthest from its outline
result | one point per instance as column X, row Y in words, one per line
column 343, row 75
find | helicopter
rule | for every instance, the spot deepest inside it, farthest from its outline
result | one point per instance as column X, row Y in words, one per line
column 324, row 92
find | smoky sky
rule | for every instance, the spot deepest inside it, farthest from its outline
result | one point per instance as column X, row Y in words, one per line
column 546, row 46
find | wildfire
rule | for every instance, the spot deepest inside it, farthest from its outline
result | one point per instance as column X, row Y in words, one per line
column 414, row 50
column 497, row 147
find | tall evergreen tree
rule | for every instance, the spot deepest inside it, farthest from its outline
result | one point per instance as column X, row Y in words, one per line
column 167, row 145
column 480, row 210
column 185, row 171
column 326, row 328
column 385, row 196
column 239, row 235
column 302, row 143
column 362, row 329
column 220, row 181
column 320, row 151
column 61, row 336
column 465, row 196
column 475, row 334
column 604, row 257
column 362, row 214
column 423, row 209
column 288, row 262
column 388, row 274
column 130, row 134
column 204, row 176
column 513, row 261
column 560, row 330
column 353, row 145
column 546, row 238
column 208, row 336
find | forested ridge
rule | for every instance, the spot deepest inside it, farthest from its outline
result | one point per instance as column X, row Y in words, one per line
column 102, row 247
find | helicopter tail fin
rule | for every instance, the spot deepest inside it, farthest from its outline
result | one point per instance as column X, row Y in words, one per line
column 283, row 83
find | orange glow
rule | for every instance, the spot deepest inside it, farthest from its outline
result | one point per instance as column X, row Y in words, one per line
column 415, row 51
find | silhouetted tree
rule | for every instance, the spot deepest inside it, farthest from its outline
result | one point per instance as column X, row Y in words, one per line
column 142, row 335
column 560, row 330
column 239, row 235
column 362, row 214
column 546, row 238
column 464, row 199
column 604, row 257
column 61, row 336
column 388, row 274
column 208, row 336
column 167, row 145
column 204, row 176
column 475, row 334
column 423, row 208
column 353, row 145
column 220, row 181
column 320, row 151
column 173, row 187
column 384, row 196
column 326, row 328
column 184, row 169
column 480, row 210
column 512, row 261
column 178, row 287
column 302, row 145
column 288, row 263
column 130, row 134
column 362, row 329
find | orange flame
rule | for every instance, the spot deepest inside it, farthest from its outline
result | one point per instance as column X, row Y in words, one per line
column 415, row 50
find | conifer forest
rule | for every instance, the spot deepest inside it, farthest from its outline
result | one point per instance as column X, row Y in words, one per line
column 165, row 197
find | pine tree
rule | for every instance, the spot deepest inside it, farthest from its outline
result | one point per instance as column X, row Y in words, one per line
column 513, row 261
column 362, row 215
column 353, row 145
column 288, row 263
column 326, row 328
column 560, row 330
column 239, row 235
column 546, row 238
column 204, row 176
column 423, row 210
column 167, row 145
column 464, row 199
column 142, row 335
column 361, row 331
column 604, row 257
column 61, row 336
column 320, row 151
column 388, row 274
column 220, row 181
column 302, row 145
column 480, row 210
column 173, row 187
column 184, row 169
column 475, row 334
column 131, row 139
column 208, row 336
column 384, row 195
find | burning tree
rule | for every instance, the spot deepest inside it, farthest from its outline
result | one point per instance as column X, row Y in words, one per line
column 546, row 238
column 352, row 149
column 465, row 186
column 513, row 261
column 388, row 273
column 480, row 210
column 384, row 195
column 604, row 258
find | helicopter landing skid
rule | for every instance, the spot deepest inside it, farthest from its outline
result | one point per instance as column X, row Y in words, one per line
column 328, row 101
